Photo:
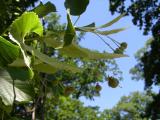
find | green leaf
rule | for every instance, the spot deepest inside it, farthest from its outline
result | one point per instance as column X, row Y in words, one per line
column 112, row 21
column 88, row 28
column 69, row 33
column 20, row 63
column 76, row 7
column 20, row 73
column 43, row 9
column 27, row 59
column 108, row 32
column 90, row 25
column 85, row 29
column 8, row 53
column 6, row 90
column 77, row 51
column 45, row 68
column 73, row 51
column 28, row 22
column 52, row 61
column 52, row 39
column 5, row 108
column 92, row 28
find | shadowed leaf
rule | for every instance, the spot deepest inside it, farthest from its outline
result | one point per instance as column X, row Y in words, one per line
column 43, row 9
column 8, row 53
column 77, row 7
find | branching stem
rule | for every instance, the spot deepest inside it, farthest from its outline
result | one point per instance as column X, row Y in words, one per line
column 116, row 42
column 105, row 42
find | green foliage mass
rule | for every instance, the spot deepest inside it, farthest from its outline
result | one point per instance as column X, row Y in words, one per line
column 147, row 69
column 131, row 107
column 69, row 109
column 38, row 61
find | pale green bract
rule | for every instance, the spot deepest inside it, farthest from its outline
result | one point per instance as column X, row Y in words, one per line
column 75, row 51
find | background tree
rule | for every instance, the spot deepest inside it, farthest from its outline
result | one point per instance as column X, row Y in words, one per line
column 147, row 69
column 66, row 108
column 130, row 107
column 145, row 14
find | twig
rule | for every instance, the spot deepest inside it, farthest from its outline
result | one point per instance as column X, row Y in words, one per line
column 34, row 113
column 14, row 92
column 77, row 20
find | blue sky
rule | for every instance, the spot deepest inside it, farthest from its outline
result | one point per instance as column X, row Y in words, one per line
column 98, row 12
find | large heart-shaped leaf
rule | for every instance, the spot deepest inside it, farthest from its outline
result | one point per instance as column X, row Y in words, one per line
column 8, row 53
column 6, row 90
column 43, row 9
column 28, row 22
column 76, row 7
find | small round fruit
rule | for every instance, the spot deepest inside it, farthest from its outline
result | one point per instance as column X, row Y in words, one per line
column 68, row 90
column 118, row 51
column 124, row 45
column 113, row 82
column 98, row 88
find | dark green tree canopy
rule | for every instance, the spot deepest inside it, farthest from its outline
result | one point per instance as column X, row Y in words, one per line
column 148, row 69
column 144, row 12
